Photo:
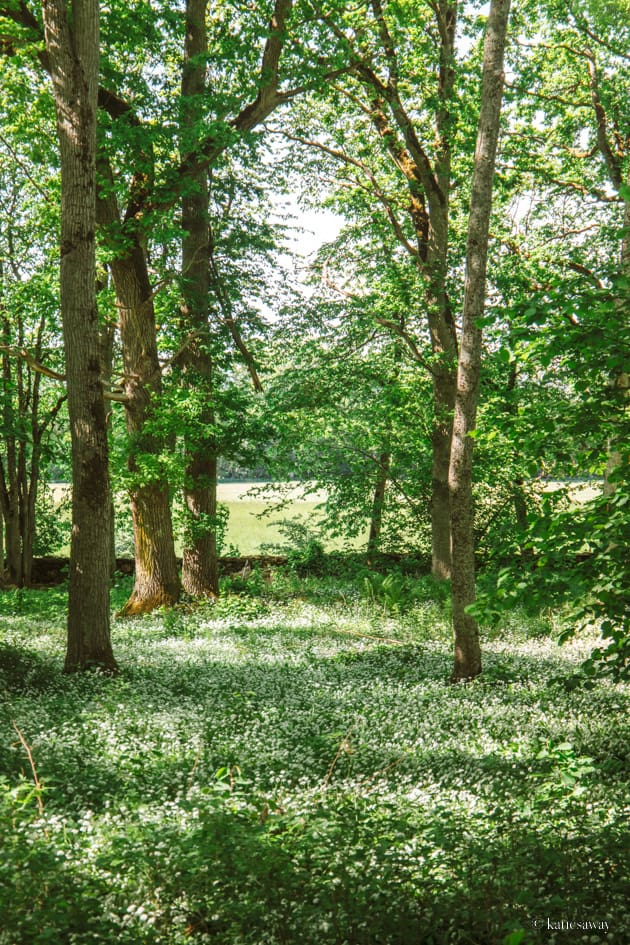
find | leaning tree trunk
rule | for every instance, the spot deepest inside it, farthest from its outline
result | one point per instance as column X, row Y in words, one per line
column 72, row 44
column 467, row 649
column 200, row 575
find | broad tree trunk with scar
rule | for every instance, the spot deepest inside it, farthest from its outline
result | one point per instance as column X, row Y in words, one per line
column 156, row 581
column 72, row 42
column 156, row 575
column 467, row 648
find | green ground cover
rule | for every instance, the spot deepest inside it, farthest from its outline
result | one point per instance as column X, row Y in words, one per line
column 290, row 766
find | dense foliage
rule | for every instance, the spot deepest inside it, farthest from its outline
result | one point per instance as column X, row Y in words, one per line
column 287, row 766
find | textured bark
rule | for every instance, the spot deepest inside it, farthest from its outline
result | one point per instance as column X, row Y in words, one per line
column 73, row 47
column 107, row 335
column 443, row 403
column 153, row 548
column 156, row 574
column 200, row 575
column 157, row 581
column 467, row 649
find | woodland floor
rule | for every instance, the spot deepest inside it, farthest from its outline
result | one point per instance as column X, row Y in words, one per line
column 290, row 765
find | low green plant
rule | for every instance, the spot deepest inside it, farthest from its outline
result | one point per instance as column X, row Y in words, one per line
column 567, row 773
column 302, row 546
column 394, row 591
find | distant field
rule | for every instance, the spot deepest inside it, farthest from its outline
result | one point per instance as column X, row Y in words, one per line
column 247, row 531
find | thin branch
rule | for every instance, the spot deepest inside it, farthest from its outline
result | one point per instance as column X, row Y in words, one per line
column 21, row 164
column 387, row 43
column 344, row 746
column 406, row 337
column 225, row 304
column 374, row 188
column 40, row 368
column 38, row 786
column 582, row 27
column 32, row 362
column 523, row 90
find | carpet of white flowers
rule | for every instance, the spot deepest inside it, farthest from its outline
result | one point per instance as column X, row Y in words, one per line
column 290, row 765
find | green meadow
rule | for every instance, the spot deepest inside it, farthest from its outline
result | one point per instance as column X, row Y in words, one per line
column 258, row 513
column 256, row 522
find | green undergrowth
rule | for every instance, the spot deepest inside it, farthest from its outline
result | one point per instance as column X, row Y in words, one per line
column 289, row 765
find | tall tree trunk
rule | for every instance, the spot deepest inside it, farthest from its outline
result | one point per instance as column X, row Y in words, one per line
column 429, row 184
column 443, row 403
column 107, row 336
column 72, row 42
column 156, row 575
column 441, row 320
column 9, row 474
column 199, row 565
column 622, row 380
column 467, row 649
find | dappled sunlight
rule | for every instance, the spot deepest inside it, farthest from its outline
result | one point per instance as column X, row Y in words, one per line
column 284, row 758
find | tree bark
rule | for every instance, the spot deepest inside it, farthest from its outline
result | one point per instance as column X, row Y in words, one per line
column 466, row 632
column 156, row 575
column 378, row 502
column 156, row 581
column 200, row 576
column 72, row 43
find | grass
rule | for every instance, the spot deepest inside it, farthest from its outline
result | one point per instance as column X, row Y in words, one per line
column 253, row 524
column 290, row 766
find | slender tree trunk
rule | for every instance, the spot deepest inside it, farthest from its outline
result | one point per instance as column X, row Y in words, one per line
column 378, row 503
column 199, row 566
column 467, row 649
column 19, row 482
column 107, row 336
column 622, row 380
column 9, row 484
column 443, row 403
column 73, row 47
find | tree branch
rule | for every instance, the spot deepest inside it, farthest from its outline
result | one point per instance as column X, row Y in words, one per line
column 612, row 162
column 375, row 188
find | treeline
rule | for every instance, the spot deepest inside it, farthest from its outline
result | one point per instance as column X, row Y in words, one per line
column 476, row 293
